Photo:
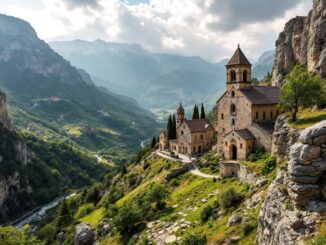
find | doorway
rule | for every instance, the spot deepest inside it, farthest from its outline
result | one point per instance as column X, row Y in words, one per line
column 234, row 152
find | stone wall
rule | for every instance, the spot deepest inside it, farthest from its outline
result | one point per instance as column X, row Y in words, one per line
column 296, row 198
column 239, row 170
column 263, row 138
column 176, row 172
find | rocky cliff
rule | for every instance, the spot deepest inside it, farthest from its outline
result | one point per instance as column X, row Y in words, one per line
column 296, row 199
column 303, row 40
column 13, row 155
column 4, row 118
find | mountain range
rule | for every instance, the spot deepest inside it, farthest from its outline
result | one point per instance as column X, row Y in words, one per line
column 157, row 81
column 53, row 99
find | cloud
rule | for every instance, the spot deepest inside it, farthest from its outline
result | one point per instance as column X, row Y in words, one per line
column 207, row 28
column 232, row 14
column 82, row 3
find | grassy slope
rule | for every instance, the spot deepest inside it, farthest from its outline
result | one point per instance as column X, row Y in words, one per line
column 189, row 193
column 308, row 118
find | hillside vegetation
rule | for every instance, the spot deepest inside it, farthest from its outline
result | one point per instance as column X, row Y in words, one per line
column 142, row 207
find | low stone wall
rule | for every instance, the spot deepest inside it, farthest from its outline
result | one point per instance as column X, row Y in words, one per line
column 176, row 172
column 239, row 170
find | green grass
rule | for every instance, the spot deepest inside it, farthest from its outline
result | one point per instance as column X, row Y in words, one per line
column 307, row 118
column 94, row 217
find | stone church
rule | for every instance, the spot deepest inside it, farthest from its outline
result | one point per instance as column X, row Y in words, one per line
column 193, row 136
column 246, row 113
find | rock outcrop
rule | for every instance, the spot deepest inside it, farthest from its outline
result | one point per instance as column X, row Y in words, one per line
column 12, row 150
column 296, row 198
column 84, row 234
column 4, row 118
column 303, row 40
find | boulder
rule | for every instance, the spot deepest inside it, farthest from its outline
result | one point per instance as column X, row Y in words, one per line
column 233, row 220
column 314, row 132
column 61, row 237
column 84, row 234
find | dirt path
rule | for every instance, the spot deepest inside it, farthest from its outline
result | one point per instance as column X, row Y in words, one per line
column 186, row 159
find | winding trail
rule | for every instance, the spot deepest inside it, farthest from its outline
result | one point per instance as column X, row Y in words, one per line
column 186, row 159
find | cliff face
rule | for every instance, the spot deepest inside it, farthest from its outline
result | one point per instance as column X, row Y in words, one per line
column 303, row 40
column 297, row 197
column 4, row 118
column 14, row 156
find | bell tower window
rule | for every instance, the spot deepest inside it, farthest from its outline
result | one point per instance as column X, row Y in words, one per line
column 233, row 76
column 245, row 76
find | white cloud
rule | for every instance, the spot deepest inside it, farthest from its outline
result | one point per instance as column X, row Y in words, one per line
column 187, row 27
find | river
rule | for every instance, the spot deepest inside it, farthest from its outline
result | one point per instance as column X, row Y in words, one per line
column 38, row 213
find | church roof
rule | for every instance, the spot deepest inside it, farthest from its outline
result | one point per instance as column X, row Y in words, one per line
column 262, row 95
column 198, row 125
column 267, row 126
column 180, row 109
column 245, row 134
column 238, row 58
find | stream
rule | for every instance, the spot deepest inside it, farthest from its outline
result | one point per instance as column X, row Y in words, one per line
column 38, row 213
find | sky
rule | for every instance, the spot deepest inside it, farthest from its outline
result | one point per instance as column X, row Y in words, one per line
column 210, row 29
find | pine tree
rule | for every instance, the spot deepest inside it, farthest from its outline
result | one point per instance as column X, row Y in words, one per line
column 170, row 128
column 195, row 114
column 202, row 112
column 154, row 141
column 174, row 127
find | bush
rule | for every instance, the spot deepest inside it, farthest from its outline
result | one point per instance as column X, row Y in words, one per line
column 174, row 183
column 12, row 236
column 195, row 239
column 126, row 218
column 230, row 199
column 247, row 228
column 269, row 165
column 84, row 210
column 206, row 213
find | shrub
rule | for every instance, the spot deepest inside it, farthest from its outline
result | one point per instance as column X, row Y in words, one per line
column 157, row 193
column 84, row 210
column 126, row 218
column 230, row 199
column 288, row 204
column 269, row 165
column 12, row 236
column 174, row 183
column 247, row 228
column 195, row 239
column 206, row 213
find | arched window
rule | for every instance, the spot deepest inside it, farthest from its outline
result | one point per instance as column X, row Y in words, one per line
column 222, row 116
column 232, row 93
column 233, row 76
column 271, row 114
column 240, row 146
column 245, row 76
column 256, row 114
column 233, row 108
column 201, row 136
column 264, row 115
column 233, row 122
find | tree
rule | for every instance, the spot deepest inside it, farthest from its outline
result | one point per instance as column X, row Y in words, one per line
column 157, row 194
column 195, row 114
column 202, row 112
column 12, row 236
column 64, row 216
column 126, row 218
column 302, row 89
column 174, row 127
column 170, row 128
column 230, row 199
column 154, row 142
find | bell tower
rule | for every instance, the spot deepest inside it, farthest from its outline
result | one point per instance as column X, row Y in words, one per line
column 238, row 71
column 180, row 115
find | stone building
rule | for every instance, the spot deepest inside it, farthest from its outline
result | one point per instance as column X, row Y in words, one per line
column 192, row 137
column 246, row 113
